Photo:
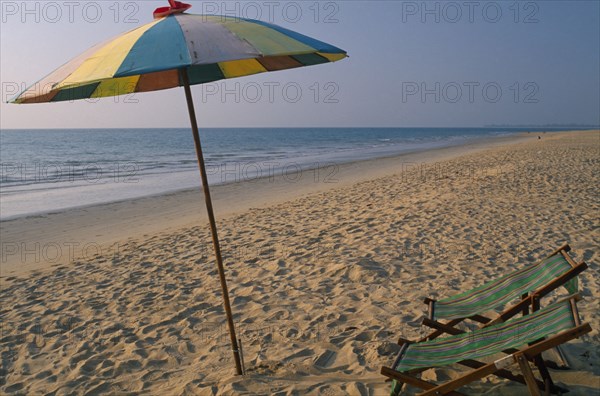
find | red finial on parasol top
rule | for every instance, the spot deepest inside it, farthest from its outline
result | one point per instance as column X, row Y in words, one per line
column 176, row 7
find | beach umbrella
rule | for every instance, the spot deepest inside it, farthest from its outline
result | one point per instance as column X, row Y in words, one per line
column 179, row 50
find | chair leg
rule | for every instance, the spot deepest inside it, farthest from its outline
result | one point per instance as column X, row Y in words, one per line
column 528, row 374
column 563, row 363
column 539, row 360
column 549, row 385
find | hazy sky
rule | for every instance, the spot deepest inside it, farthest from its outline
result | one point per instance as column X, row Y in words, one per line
column 411, row 64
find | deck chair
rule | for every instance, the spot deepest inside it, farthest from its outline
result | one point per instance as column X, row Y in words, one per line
column 528, row 285
column 533, row 334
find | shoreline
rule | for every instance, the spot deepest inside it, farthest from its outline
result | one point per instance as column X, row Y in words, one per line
column 243, row 172
column 29, row 198
column 475, row 144
column 101, row 226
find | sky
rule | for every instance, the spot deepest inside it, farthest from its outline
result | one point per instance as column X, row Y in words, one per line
column 411, row 64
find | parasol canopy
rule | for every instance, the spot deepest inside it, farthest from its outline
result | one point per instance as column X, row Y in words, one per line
column 149, row 57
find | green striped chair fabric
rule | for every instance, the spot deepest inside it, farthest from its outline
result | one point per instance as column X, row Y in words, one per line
column 489, row 340
column 499, row 292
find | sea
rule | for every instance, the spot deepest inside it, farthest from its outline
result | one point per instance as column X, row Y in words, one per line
column 48, row 170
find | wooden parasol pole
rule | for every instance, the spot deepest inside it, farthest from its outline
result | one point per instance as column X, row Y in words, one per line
column 211, row 218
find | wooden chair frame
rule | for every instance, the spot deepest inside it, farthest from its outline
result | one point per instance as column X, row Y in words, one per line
column 530, row 353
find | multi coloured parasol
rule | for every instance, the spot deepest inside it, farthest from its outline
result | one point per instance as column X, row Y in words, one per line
column 179, row 49
column 152, row 57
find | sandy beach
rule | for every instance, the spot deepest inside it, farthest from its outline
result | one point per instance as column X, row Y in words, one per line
column 326, row 269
